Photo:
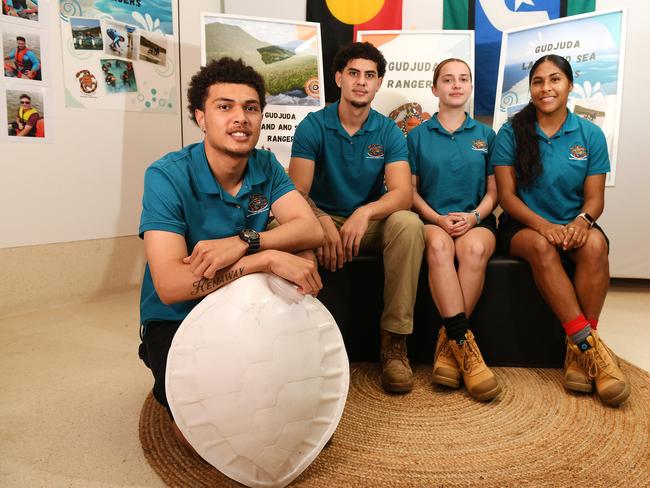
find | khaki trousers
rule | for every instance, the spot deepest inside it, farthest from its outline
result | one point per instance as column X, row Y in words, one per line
column 400, row 240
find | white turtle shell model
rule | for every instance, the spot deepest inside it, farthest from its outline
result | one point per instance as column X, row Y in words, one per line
column 257, row 377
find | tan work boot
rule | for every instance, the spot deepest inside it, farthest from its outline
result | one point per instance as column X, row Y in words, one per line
column 575, row 378
column 479, row 380
column 445, row 367
column 396, row 374
column 600, row 363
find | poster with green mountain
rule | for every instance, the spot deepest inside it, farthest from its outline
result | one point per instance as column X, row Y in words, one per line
column 285, row 53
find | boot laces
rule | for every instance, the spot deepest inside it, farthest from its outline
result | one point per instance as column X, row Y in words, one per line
column 443, row 349
column 397, row 350
column 596, row 360
column 570, row 357
column 589, row 363
column 471, row 355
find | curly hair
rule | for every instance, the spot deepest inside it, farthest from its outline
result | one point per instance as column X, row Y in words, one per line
column 224, row 70
column 527, row 154
column 359, row 50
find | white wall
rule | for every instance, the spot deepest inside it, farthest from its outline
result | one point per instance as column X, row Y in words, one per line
column 88, row 183
column 627, row 203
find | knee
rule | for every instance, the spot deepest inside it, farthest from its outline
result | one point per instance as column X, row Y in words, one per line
column 543, row 254
column 406, row 224
column 594, row 252
column 439, row 251
column 473, row 254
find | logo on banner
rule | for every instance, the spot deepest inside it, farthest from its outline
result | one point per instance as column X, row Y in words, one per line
column 479, row 145
column 375, row 151
column 578, row 152
column 258, row 203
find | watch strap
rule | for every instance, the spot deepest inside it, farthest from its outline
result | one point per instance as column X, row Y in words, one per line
column 588, row 218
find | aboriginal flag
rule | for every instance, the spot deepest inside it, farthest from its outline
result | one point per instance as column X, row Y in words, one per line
column 488, row 18
column 341, row 19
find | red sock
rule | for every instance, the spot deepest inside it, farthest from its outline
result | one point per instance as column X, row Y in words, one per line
column 576, row 325
column 593, row 323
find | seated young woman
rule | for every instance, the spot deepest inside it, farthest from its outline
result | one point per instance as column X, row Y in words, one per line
column 455, row 194
column 550, row 167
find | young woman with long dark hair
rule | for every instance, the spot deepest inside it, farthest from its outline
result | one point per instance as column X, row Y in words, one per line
column 550, row 167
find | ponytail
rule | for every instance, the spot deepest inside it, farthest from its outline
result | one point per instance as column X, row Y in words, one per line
column 527, row 157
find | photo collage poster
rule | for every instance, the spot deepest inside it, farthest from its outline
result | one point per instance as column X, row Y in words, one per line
column 594, row 46
column 119, row 55
column 287, row 54
column 411, row 56
column 26, row 84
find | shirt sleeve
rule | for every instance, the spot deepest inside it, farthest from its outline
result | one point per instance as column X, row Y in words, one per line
column 306, row 140
column 162, row 208
column 598, row 154
column 33, row 120
column 396, row 148
column 503, row 153
column 491, row 136
column 34, row 60
column 412, row 147
column 281, row 183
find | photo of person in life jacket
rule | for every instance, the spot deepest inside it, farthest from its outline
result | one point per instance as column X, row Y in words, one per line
column 29, row 122
column 22, row 61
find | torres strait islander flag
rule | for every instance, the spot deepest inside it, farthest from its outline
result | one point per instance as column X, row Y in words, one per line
column 488, row 18
column 341, row 19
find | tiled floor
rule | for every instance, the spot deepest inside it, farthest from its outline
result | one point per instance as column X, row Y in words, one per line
column 72, row 387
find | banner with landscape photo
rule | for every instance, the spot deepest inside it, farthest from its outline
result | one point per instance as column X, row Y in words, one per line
column 287, row 54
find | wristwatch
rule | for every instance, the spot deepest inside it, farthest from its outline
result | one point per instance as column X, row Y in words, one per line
column 590, row 220
column 252, row 238
column 477, row 214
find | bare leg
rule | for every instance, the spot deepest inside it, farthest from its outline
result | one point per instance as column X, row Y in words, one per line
column 591, row 278
column 473, row 250
column 443, row 280
column 548, row 273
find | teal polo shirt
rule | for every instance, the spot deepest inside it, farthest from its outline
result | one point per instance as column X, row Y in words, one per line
column 577, row 150
column 452, row 167
column 348, row 170
column 182, row 196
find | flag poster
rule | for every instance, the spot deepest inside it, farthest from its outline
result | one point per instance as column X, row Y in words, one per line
column 411, row 56
column 488, row 19
column 341, row 20
column 287, row 54
column 119, row 55
column 594, row 45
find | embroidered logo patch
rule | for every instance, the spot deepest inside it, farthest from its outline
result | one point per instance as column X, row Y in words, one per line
column 257, row 203
column 578, row 152
column 375, row 151
column 479, row 145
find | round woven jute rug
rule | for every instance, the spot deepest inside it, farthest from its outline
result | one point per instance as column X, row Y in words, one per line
column 533, row 434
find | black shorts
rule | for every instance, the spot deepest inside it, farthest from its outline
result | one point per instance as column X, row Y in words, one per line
column 156, row 341
column 508, row 227
column 489, row 223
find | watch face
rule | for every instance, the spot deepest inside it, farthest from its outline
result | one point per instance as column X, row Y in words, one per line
column 250, row 234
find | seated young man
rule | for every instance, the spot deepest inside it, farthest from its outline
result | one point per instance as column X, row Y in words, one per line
column 205, row 209
column 341, row 157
